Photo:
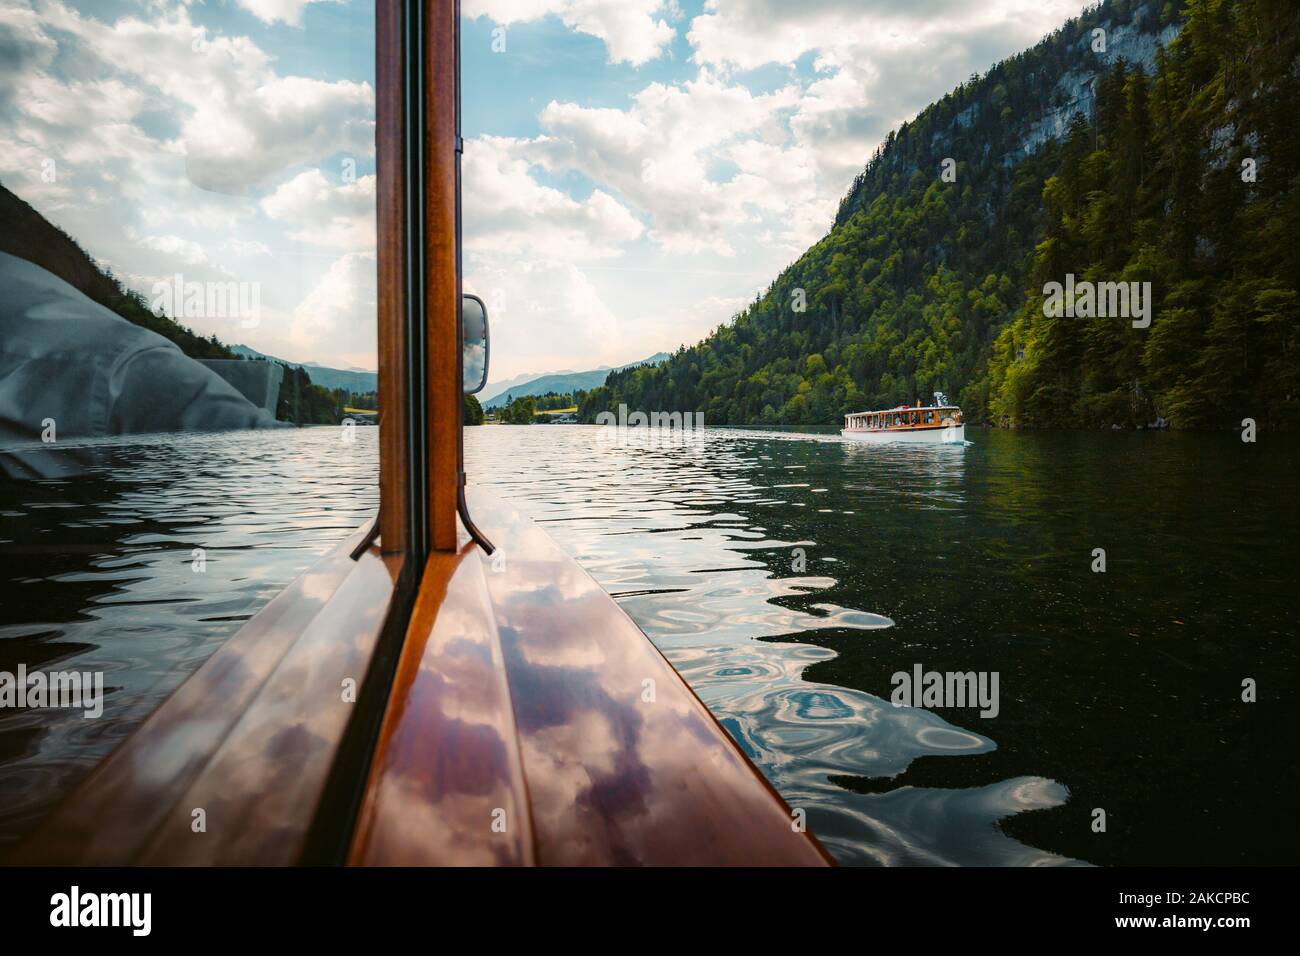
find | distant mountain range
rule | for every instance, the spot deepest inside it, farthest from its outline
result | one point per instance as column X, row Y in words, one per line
column 560, row 382
column 357, row 380
column 498, row 388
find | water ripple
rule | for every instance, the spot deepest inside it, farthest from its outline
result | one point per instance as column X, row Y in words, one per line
column 98, row 574
column 693, row 533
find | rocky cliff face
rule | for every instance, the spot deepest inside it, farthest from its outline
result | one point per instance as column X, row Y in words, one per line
column 1026, row 101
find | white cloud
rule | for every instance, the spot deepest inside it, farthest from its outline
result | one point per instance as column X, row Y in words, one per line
column 878, row 64
column 182, row 250
column 284, row 11
column 711, row 164
column 236, row 122
column 658, row 154
column 508, row 212
column 246, row 247
column 630, row 29
column 241, row 141
column 338, row 316
column 712, row 311
column 545, row 314
column 318, row 212
column 750, row 33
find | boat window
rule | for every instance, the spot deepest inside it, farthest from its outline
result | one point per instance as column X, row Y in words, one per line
column 188, row 197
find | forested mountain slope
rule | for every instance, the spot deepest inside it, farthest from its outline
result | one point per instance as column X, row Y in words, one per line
column 1171, row 157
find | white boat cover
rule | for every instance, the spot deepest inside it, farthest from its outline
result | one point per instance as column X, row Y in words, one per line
column 67, row 359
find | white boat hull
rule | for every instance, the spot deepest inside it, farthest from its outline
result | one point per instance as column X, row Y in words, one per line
column 951, row 435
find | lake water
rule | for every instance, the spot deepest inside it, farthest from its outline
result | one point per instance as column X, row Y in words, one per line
column 98, row 572
column 787, row 578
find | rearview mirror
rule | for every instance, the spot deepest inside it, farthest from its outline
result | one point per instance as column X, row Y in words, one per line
column 474, row 343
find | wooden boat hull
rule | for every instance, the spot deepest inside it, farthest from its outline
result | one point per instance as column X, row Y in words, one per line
column 933, row 435
column 529, row 722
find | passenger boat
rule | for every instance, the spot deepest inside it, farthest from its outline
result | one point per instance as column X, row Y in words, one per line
column 448, row 687
column 939, row 423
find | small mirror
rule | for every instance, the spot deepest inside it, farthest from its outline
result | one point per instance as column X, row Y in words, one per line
column 474, row 343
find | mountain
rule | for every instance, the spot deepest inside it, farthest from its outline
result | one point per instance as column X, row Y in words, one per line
column 27, row 234
column 565, row 383
column 493, row 389
column 1169, row 155
column 349, row 379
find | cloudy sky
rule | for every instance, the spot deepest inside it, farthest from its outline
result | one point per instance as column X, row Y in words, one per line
column 635, row 170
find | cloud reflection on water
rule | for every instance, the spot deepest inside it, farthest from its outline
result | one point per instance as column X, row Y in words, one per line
column 689, row 530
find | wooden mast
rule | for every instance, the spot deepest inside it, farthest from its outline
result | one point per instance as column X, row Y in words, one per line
column 390, row 152
column 442, row 273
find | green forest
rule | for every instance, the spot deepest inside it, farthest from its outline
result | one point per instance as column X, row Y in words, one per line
column 1184, row 174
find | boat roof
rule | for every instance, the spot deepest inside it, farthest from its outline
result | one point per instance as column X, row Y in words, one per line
column 907, row 408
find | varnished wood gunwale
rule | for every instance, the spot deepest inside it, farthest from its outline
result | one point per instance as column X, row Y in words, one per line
column 249, row 738
column 446, row 784
column 625, row 765
column 523, row 687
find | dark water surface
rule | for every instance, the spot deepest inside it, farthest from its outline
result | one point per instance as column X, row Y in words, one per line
column 1118, row 690
column 98, row 573
column 787, row 578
